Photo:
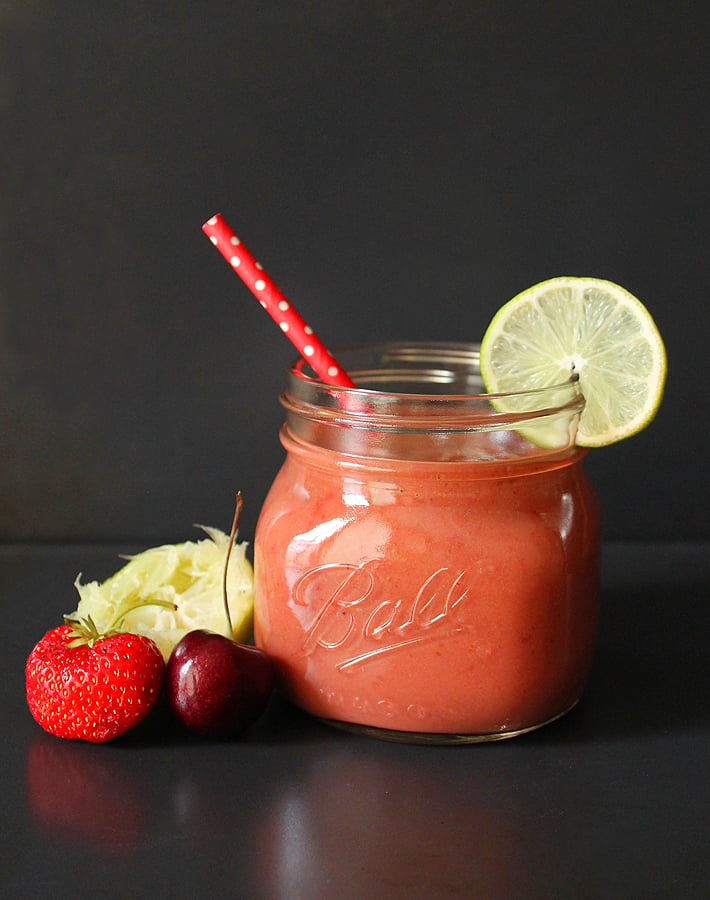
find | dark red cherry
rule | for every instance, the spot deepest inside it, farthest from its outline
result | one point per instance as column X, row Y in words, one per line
column 216, row 686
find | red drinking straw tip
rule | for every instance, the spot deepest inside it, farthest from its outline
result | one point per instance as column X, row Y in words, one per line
column 278, row 307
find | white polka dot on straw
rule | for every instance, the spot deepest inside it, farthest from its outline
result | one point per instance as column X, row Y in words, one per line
column 270, row 297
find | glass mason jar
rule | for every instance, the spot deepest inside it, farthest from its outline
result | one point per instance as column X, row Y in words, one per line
column 427, row 559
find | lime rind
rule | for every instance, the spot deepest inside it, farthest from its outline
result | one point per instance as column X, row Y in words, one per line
column 585, row 326
column 553, row 427
column 188, row 576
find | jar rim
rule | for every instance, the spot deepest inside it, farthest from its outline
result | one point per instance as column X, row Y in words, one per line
column 435, row 365
column 437, row 409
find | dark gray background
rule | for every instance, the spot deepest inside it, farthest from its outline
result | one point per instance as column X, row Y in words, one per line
column 401, row 168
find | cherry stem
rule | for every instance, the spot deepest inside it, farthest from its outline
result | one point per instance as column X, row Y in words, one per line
column 232, row 537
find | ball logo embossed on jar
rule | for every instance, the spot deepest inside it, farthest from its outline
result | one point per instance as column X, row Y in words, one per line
column 350, row 615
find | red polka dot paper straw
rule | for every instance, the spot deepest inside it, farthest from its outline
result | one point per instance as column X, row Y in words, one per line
column 279, row 308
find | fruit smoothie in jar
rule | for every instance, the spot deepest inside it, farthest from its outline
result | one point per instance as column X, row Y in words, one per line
column 427, row 564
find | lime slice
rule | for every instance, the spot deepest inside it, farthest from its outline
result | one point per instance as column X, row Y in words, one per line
column 188, row 576
column 588, row 328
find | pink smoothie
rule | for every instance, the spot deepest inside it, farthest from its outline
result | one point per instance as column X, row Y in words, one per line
column 429, row 596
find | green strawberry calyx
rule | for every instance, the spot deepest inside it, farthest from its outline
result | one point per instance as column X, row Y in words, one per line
column 84, row 632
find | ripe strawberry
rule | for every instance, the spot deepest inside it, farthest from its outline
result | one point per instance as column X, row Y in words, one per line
column 82, row 684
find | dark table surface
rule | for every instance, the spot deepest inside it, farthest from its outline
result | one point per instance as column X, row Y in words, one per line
column 612, row 801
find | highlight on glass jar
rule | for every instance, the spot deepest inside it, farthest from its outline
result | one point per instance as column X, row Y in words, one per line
column 427, row 558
